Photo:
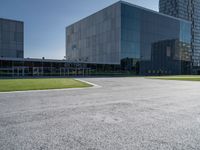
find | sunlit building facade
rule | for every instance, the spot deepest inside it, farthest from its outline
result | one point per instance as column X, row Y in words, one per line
column 131, row 37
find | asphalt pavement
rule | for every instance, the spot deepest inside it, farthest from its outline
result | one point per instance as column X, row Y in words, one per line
column 119, row 114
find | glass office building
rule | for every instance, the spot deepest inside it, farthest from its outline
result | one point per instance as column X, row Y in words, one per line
column 11, row 39
column 137, row 39
column 188, row 10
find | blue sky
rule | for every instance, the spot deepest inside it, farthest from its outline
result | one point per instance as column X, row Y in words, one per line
column 45, row 21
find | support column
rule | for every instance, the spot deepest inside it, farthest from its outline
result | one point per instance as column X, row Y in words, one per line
column 13, row 71
column 17, row 71
column 23, row 71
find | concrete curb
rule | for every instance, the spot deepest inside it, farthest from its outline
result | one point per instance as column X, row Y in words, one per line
column 94, row 85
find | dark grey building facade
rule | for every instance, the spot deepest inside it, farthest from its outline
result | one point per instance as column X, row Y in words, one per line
column 11, row 39
column 188, row 10
column 95, row 39
column 131, row 37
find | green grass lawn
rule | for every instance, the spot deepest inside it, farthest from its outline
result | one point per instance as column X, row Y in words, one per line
column 8, row 85
column 181, row 77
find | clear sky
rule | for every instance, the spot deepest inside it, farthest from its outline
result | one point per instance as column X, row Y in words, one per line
column 45, row 21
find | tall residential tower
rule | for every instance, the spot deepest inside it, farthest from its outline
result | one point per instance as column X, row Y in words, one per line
column 188, row 10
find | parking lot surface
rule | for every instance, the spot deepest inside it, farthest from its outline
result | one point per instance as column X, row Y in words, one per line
column 121, row 114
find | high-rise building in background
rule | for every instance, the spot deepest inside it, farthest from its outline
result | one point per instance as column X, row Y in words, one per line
column 188, row 10
column 11, row 39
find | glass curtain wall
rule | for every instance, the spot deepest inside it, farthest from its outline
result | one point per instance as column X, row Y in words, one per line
column 153, row 42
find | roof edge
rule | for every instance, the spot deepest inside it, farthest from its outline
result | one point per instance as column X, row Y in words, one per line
column 153, row 11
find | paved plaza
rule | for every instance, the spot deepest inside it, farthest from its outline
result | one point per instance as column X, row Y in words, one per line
column 120, row 114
